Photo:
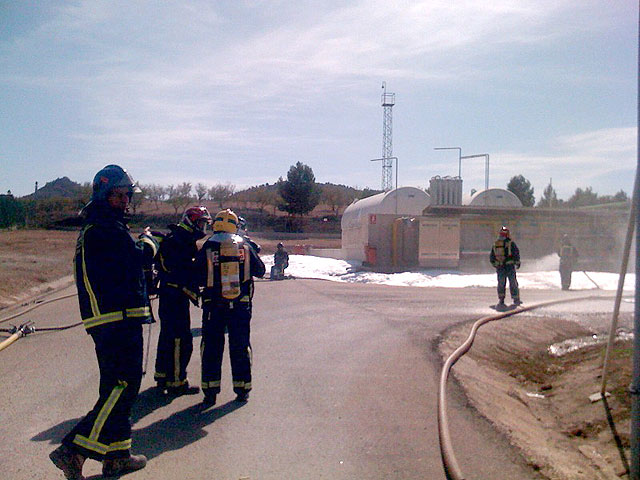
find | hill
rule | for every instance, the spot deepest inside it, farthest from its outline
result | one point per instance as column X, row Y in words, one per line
column 58, row 188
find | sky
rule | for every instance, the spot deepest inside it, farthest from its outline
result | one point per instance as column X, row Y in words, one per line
column 238, row 91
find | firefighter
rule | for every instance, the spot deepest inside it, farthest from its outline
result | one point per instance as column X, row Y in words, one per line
column 568, row 258
column 113, row 306
column 280, row 262
column 505, row 257
column 178, row 287
column 226, row 266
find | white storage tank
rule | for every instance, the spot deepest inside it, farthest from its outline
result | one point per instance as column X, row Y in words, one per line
column 493, row 197
column 356, row 217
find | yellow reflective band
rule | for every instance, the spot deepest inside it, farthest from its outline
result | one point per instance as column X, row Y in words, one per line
column 176, row 360
column 161, row 261
column 87, row 284
column 106, row 409
column 176, row 384
column 184, row 290
column 152, row 243
column 215, row 383
column 102, row 319
column 245, row 385
column 92, row 445
column 189, row 293
column 159, row 375
column 122, row 445
column 138, row 312
column 101, row 448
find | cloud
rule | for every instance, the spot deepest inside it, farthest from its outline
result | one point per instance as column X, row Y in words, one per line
column 264, row 82
column 580, row 160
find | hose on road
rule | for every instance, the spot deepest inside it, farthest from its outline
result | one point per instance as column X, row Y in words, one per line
column 29, row 327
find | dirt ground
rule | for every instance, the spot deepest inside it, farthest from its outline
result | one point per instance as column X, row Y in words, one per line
column 539, row 401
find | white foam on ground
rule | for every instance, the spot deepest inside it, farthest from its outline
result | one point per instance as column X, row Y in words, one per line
column 308, row 266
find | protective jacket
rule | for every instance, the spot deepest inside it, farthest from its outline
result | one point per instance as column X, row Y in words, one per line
column 108, row 271
column 178, row 285
column 504, row 253
column 568, row 255
column 281, row 258
column 175, row 259
column 226, row 266
column 113, row 305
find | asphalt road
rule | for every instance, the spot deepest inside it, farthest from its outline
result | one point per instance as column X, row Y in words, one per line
column 345, row 384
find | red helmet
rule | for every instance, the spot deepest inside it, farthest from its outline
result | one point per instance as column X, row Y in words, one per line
column 504, row 232
column 197, row 218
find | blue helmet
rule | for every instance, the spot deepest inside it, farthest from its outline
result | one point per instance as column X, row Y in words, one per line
column 110, row 177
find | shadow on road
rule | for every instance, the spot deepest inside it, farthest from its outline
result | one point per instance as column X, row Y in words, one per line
column 55, row 433
column 147, row 402
column 180, row 429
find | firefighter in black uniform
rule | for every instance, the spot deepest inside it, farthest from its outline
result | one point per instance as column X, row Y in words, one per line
column 505, row 257
column 568, row 259
column 178, row 287
column 113, row 306
column 226, row 266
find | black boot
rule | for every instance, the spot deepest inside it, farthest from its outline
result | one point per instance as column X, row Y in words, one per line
column 68, row 461
column 242, row 396
column 118, row 466
column 209, row 399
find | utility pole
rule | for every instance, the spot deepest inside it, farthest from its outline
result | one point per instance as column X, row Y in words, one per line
column 634, row 389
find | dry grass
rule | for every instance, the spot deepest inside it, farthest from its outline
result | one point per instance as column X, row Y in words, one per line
column 29, row 259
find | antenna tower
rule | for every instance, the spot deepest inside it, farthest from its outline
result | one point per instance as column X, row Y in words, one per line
column 388, row 101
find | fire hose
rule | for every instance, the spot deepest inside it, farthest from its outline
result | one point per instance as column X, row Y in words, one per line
column 449, row 461
column 29, row 327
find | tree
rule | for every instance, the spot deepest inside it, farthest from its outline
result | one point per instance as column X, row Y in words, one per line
column 154, row 193
column 368, row 192
column 521, row 188
column 201, row 191
column 299, row 191
column 221, row 193
column 179, row 196
column 583, row 198
column 549, row 198
column 12, row 212
column 335, row 196
column 264, row 197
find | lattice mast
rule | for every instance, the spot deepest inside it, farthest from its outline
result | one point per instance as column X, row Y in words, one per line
column 388, row 101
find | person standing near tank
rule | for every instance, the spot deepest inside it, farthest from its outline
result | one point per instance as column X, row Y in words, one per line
column 568, row 259
column 505, row 258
